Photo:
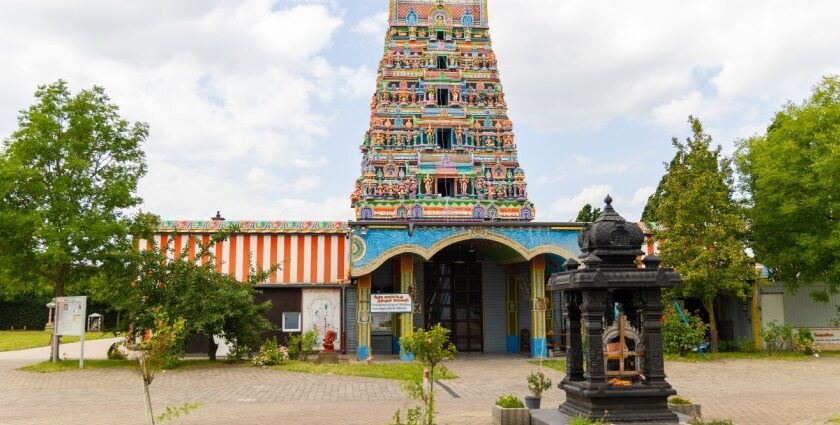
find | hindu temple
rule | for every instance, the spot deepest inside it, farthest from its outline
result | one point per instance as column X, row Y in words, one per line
column 442, row 230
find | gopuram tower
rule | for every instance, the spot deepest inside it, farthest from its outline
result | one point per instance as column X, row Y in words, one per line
column 440, row 146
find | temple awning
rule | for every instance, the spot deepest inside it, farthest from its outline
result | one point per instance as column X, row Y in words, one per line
column 307, row 252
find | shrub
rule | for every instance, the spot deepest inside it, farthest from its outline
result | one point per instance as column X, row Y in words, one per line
column 115, row 351
column 431, row 347
column 803, row 342
column 538, row 383
column 271, row 353
column 302, row 345
column 675, row 399
column 680, row 337
column 775, row 336
column 510, row 401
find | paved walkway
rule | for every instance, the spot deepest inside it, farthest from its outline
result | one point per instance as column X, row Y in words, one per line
column 94, row 349
column 748, row 391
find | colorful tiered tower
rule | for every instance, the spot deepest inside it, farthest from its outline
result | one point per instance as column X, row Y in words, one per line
column 440, row 145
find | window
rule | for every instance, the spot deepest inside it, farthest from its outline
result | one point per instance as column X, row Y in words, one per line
column 291, row 322
column 443, row 97
column 446, row 187
column 443, row 138
column 441, row 62
column 440, row 35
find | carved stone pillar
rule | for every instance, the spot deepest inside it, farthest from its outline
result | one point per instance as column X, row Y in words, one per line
column 592, row 311
column 574, row 360
column 652, row 315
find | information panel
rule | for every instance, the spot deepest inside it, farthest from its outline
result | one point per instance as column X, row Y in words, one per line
column 390, row 303
column 70, row 315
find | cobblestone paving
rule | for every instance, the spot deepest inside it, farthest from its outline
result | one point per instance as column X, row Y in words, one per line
column 750, row 392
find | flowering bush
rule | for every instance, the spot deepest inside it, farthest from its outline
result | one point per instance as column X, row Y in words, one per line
column 680, row 337
column 803, row 342
column 775, row 336
column 271, row 353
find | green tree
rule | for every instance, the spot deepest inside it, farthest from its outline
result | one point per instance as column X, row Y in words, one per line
column 152, row 352
column 790, row 176
column 216, row 304
column 431, row 347
column 702, row 228
column 67, row 176
column 588, row 214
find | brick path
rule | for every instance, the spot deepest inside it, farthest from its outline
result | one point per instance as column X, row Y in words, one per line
column 748, row 391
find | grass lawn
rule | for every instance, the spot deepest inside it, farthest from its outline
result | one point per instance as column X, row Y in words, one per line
column 19, row 340
column 762, row 355
column 70, row 365
column 555, row 364
column 396, row 371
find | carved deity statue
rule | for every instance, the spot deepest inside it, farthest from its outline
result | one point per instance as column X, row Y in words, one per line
column 465, row 185
column 427, row 184
column 459, row 136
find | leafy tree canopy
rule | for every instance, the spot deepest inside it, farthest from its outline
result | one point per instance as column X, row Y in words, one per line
column 179, row 285
column 588, row 214
column 702, row 228
column 67, row 176
column 791, row 175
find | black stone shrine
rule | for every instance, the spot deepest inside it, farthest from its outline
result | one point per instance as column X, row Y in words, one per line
column 611, row 280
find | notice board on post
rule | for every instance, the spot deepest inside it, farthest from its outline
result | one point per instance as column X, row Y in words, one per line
column 391, row 303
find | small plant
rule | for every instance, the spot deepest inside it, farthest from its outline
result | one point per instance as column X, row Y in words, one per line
column 711, row 422
column 674, row 399
column 775, row 336
column 271, row 353
column 538, row 383
column 803, row 342
column 580, row 420
column 431, row 347
column 412, row 417
column 510, row 401
column 175, row 412
column 680, row 337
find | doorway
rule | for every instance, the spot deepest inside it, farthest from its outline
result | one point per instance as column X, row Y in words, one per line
column 453, row 297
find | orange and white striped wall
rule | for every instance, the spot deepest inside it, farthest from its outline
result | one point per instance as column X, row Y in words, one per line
column 307, row 252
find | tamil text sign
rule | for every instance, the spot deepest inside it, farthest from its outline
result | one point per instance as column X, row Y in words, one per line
column 390, row 303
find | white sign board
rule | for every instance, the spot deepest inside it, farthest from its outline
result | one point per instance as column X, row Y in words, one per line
column 391, row 303
column 827, row 338
column 70, row 315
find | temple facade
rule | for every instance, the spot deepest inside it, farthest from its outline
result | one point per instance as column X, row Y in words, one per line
column 443, row 225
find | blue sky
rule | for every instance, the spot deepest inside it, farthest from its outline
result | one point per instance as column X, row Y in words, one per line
column 257, row 107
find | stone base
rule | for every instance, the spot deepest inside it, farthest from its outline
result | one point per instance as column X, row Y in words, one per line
column 633, row 404
column 520, row 416
column 328, row 358
column 556, row 417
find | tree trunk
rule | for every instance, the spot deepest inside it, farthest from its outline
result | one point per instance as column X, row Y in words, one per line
column 709, row 305
column 211, row 348
column 150, row 417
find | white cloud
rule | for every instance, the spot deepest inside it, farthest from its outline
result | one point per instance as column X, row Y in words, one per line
column 228, row 88
column 565, row 209
column 641, row 196
column 583, row 64
column 374, row 25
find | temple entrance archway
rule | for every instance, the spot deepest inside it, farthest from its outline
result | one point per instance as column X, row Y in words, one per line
column 453, row 296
